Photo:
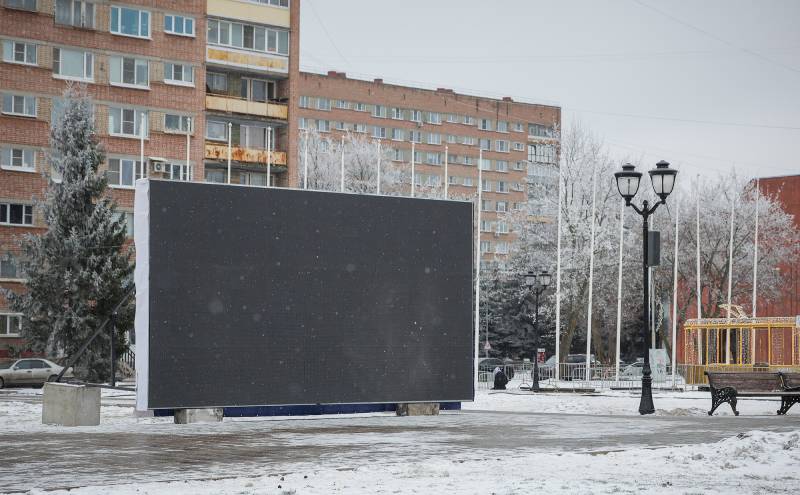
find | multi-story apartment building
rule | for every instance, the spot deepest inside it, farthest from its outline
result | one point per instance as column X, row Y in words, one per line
column 143, row 62
column 516, row 139
column 251, row 54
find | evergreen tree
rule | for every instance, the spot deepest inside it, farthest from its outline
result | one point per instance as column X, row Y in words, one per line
column 77, row 270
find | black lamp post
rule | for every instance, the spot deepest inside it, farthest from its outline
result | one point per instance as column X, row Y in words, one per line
column 663, row 180
column 530, row 281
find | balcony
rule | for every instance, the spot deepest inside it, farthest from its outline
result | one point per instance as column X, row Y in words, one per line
column 249, row 12
column 254, row 61
column 239, row 105
column 244, row 155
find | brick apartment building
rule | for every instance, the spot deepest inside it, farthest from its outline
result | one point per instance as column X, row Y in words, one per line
column 517, row 139
column 144, row 65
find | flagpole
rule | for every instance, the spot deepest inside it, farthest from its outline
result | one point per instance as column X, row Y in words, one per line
column 413, row 183
column 305, row 161
column 699, row 288
column 730, row 283
column 446, row 178
column 188, row 144
column 342, row 172
column 591, row 276
column 477, row 267
column 755, row 278
column 141, row 145
column 269, row 155
column 558, row 278
column 619, row 286
column 379, row 167
column 230, row 129
column 675, row 293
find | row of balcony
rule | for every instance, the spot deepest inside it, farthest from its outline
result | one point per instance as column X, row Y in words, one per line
column 252, row 156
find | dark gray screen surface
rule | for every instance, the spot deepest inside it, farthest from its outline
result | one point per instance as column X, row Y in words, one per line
column 276, row 296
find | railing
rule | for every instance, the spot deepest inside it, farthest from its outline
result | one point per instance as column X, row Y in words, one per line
column 225, row 103
column 239, row 154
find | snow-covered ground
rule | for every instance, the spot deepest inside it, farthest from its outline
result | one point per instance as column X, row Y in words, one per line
column 452, row 459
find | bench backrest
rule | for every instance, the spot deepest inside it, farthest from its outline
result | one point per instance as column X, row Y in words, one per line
column 791, row 379
column 745, row 381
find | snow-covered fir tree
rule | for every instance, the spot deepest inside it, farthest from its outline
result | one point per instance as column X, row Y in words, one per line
column 78, row 269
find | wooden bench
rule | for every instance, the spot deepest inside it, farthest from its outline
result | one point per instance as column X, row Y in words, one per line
column 726, row 386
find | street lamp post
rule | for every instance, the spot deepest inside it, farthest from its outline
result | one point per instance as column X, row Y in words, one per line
column 663, row 179
column 531, row 280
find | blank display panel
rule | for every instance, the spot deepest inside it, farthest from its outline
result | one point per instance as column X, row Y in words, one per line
column 255, row 296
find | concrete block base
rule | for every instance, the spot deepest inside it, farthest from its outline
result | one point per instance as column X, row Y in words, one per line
column 418, row 409
column 70, row 405
column 187, row 416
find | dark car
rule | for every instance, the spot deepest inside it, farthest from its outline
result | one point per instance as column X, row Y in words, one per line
column 487, row 365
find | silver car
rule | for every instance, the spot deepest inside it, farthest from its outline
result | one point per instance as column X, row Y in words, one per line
column 30, row 371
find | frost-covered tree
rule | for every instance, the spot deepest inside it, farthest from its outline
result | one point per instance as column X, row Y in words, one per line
column 78, row 269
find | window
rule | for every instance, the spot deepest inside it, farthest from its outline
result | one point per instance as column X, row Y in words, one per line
column 502, row 227
column 21, row 4
column 253, row 179
column 130, row 22
column 75, row 13
column 10, row 325
column 340, row 126
column 453, row 179
column 518, row 127
column 486, row 185
column 397, row 135
column 416, row 156
column 486, row 164
column 452, row 158
column 9, row 267
column 325, row 126
column 539, row 130
column 304, row 101
column 415, row 136
column 216, row 131
column 251, row 136
column 501, row 146
column 19, row 53
column 501, row 247
column 183, row 74
column 501, row 166
column 129, row 71
column 379, row 132
column 123, row 172
column 486, row 226
column 218, row 83
column 248, row 37
column 434, row 118
column 73, row 64
column 542, row 153
column 486, row 246
column 502, row 186
column 453, row 118
column 216, row 176
column 469, row 120
column 379, row 111
column 127, row 122
column 502, row 126
column 342, row 104
column 519, row 165
column 452, row 139
column 360, row 127
column 502, row 206
column 16, row 214
column 434, row 138
column 360, row 107
column 18, row 158
column 397, row 113
column 518, row 146
column 323, row 104
column 468, row 181
column 275, row 3
column 19, row 105
column 126, row 217
column 257, row 89
column 397, row 155
column 486, row 144
column 469, row 141
column 178, row 171
column 178, row 24
column 467, row 160
column 433, row 158
column 178, row 123
column 485, row 125
column 416, row 116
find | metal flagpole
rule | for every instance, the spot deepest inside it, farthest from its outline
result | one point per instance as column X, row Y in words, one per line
column 446, row 179
column 188, row 144
column 413, row 183
column 558, row 278
column 755, row 279
column 141, row 145
column 305, row 161
column 342, row 173
column 230, row 131
column 591, row 277
column 477, row 269
column 619, row 286
column 651, row 299
column 675, row 293
column 269, row 155
column 379, row 167
column 699, row 289
column 730, row 284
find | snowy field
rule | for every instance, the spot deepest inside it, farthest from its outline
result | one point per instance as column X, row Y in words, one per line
column 757, row 452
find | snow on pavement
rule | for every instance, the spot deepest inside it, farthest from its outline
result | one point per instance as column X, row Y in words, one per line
column 753, row 462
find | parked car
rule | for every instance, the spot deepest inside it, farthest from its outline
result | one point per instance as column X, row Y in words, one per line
column 487, row 365
column 633, row 370
column 576, row 366
column 31, row 371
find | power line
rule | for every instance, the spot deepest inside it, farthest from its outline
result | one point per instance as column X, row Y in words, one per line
column 327, row 34
column 716, row 37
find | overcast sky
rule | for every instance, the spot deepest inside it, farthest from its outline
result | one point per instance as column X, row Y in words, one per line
column 705, row 85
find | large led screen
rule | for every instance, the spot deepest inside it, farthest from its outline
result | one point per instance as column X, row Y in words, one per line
column 265, row 296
